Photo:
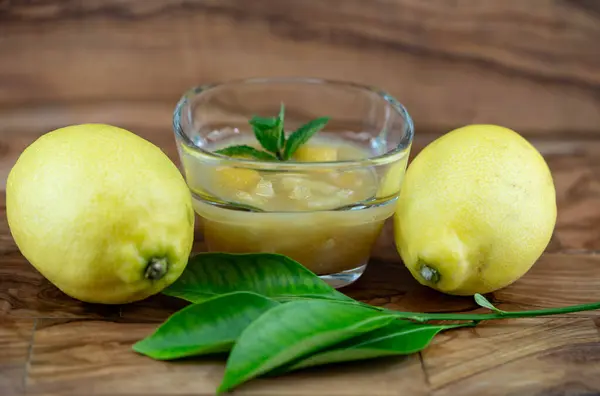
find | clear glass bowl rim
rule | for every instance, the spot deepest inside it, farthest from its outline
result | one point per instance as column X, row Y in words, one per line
column 390, row 156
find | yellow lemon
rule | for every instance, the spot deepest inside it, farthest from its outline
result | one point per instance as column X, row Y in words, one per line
column 316, row 154
column 101, row 213
column 476, row 210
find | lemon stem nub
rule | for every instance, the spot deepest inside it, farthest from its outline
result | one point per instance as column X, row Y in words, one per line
column 156, row 268
column 429, row 274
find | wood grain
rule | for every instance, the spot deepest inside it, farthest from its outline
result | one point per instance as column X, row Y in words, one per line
column 533, row 66
column 15, row 341
column 95, row 358
column 556, row 279
column 24, row 292
column 521, row 357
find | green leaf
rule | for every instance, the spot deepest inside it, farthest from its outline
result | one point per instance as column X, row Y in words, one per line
column 485, row 303
column 290, row 331
column 281, row 118
column 401, row 337
column 271, row 275
column 302, row 135
column 264, row 122
column 204, row 328
column 246, row 151
column 269, row 132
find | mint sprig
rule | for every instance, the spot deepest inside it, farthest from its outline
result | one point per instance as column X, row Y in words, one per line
column 270, row 133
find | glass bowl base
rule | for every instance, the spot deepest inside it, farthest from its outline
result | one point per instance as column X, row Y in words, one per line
column 344, row 278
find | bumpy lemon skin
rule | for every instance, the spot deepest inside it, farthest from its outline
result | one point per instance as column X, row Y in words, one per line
column 90, row 205
column 478, row 205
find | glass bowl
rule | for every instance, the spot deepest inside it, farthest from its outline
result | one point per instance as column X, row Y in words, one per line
column 324, row 208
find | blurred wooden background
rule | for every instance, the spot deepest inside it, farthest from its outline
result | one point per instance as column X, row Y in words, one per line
column 532, row 65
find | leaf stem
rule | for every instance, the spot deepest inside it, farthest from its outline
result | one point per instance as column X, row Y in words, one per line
column 423, row 317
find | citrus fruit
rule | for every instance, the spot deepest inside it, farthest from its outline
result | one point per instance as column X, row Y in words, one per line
column 476, row 210
column 101, row 213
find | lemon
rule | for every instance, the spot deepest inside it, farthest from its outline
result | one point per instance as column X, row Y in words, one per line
column 316, row 154
column 101, row 213
column 476, row 210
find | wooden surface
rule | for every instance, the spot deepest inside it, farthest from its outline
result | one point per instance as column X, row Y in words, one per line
column 530, row 65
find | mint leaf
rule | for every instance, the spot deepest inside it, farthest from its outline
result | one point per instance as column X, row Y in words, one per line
column 263, row 122
column 269, row 132
column 246, row 151
column 302, row 134
column 281, row 117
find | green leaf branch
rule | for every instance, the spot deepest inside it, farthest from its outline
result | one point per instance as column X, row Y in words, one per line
column 273, row 316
